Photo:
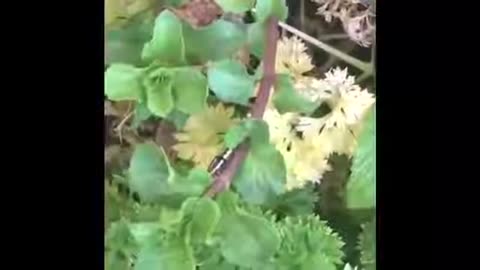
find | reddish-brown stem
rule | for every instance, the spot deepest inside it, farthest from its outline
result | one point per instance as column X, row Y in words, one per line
column 223, row 180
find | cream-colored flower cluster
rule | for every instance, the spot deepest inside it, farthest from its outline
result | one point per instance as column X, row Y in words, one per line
column 306, row 142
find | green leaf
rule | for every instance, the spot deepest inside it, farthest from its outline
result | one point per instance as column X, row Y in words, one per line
column 143, row 231
column 178, row 118
column 236, row 135
column 230, row 82
column 361, row 185
column 202, row 215
column 296, row 202
column 367, row 245
column 266, row 8
column 119, row 238
column 123, row 82
column 171, row 254
column 150, row 172
column 236, row 6
column 159, row 96
column 155, row 181
column 247, row 240
column 253, row 128
column 125, row 45
column 217, row 263
column 115, row 260
column 259, row 134
column 308, row 243
column 287, row 99
column 262, row 175
column 167, row 45
column 217, row 41
column 141, row 114
column 193, row 184
column 190, row 90
column 256, row 38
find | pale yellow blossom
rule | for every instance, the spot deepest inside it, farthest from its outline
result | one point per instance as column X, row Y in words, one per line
column 202, row 136
column 292, row 58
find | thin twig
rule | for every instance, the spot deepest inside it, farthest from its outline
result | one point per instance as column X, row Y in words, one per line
column 119, row 127
column 223, row 180
column 365, row 67
column 328, row 37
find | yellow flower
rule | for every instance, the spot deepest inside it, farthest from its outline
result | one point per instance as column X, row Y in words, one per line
column 291, row 57
column 305, row 161
column 202, row 136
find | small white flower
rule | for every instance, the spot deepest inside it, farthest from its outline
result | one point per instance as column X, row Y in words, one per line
column 338, row 130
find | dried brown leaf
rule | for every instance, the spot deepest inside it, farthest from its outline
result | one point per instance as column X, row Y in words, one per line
column 199, row 13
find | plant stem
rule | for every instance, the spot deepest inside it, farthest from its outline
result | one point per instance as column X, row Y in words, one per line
column 223, row 180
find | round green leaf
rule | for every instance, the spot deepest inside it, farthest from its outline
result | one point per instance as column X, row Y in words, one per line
column 167, row 45
column 203, row 215
column 123, row 82
column 286, row 99
column 262, row 175
column 190, row 90
column 256, row 38
column 236, row 6
column 217, row 41
column 230, row 82
column 149, row 172
column 247, row 240
column 125, row 45
column 361, row 185
column 266, row 8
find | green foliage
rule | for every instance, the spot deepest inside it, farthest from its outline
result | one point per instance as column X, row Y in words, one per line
column 266, row 8
column 296, row 202
column 230, row 82
column 248, row 128
column 170, row 252
column 236, row 135
column 123, row 82
column 202, row 217
column 262, row 175
column 153, row 178
column 286, row 99
column 190, row 90
column 255, row 37
column 246, row 240
column 124, row 45
column 214, row 42
column 308, row 243
column 141, row 114
column 167, row 45
column 367, row 246
column 157, row 216
column 361, row 185
column 159, row 95
column 236, row 6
